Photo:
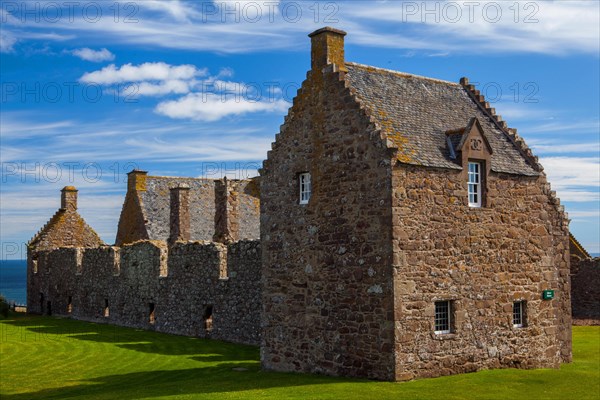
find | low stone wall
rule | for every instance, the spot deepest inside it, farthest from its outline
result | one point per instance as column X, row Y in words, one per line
column 585, row 289
column 201, row 289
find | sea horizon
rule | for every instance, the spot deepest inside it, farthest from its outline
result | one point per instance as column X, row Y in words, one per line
column 13, row 281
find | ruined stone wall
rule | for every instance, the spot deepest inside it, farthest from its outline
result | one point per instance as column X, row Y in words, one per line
column 198, row 289
column 220, row 210
column 156, row 199
column 327, row 293
column 248, row 217
column 481, row 259
column 585, row 289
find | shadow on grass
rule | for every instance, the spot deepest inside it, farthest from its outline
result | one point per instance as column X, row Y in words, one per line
column 206, row 350
column 235, row 368
column 194, row 381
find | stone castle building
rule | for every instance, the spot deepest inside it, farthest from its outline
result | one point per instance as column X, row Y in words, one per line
column 405, row 232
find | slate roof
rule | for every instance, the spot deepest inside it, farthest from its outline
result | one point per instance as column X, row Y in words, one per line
column 415, row 112
column 156, row 203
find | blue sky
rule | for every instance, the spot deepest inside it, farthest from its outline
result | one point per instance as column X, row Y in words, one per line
column 200, row 88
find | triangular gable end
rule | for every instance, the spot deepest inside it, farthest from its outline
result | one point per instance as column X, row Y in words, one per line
column 474, row 141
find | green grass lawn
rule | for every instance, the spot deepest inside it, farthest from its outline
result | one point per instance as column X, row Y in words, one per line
column 52, row 358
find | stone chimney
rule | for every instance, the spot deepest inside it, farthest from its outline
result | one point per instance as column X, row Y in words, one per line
column 180, row 214
column 226, row 212
column 68, row 198
column 327, row 47
column 136, row 180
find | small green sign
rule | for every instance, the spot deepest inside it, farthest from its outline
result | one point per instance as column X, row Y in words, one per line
column 548, row 294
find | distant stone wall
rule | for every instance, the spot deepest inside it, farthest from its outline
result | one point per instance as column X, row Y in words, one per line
column 197, row 289
column 482, row 260
column 221, row 210
column 155, row 199
column 248, row 195
column 585, row 287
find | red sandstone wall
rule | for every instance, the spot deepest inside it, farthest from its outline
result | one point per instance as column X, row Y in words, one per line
column 482, row 259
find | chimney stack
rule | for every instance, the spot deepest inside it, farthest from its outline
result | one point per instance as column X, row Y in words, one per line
column 327, row 47
column 180, row 214
column 68, row 198
column 136, row 180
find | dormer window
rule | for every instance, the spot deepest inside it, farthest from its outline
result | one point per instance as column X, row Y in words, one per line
column 305, row 187
column 474, row 184
column 470, row 148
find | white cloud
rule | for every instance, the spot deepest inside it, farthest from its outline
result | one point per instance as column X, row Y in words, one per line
column 178, row 10
column 250, row 9
column 572, row 171
column 212, row 107
column 158, row 89
column 577, row 196
column 552, row 27
column 561, row 148
column 148, row 140
column 549, row 27
column 207, row 99
column 585, row 214
column 578, row 127
column 13, row 125
column 150, row 71
column 93, row 55
column 7, row 41
column 575, row 179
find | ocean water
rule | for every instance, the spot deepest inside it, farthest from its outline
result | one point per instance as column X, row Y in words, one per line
column 13, row 280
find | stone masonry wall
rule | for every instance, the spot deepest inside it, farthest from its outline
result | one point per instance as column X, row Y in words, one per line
column 481, row 259
column 198, row 289
column 248, row 217
column 327, row 278
column 585, row 288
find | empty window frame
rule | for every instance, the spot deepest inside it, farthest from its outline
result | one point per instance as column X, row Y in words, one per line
column 208, row 318
column 443, row 317
column 152, row 316
column 474, row 184
column 519, row 315
column 106, row 312
column 305, row 187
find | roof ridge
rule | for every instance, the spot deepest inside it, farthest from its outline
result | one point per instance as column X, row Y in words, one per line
column 405, row 74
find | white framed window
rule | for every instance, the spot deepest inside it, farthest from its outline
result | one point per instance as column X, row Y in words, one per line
column 474, row 184
column 519, row 314
column 443, row 317
column 305, row 187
